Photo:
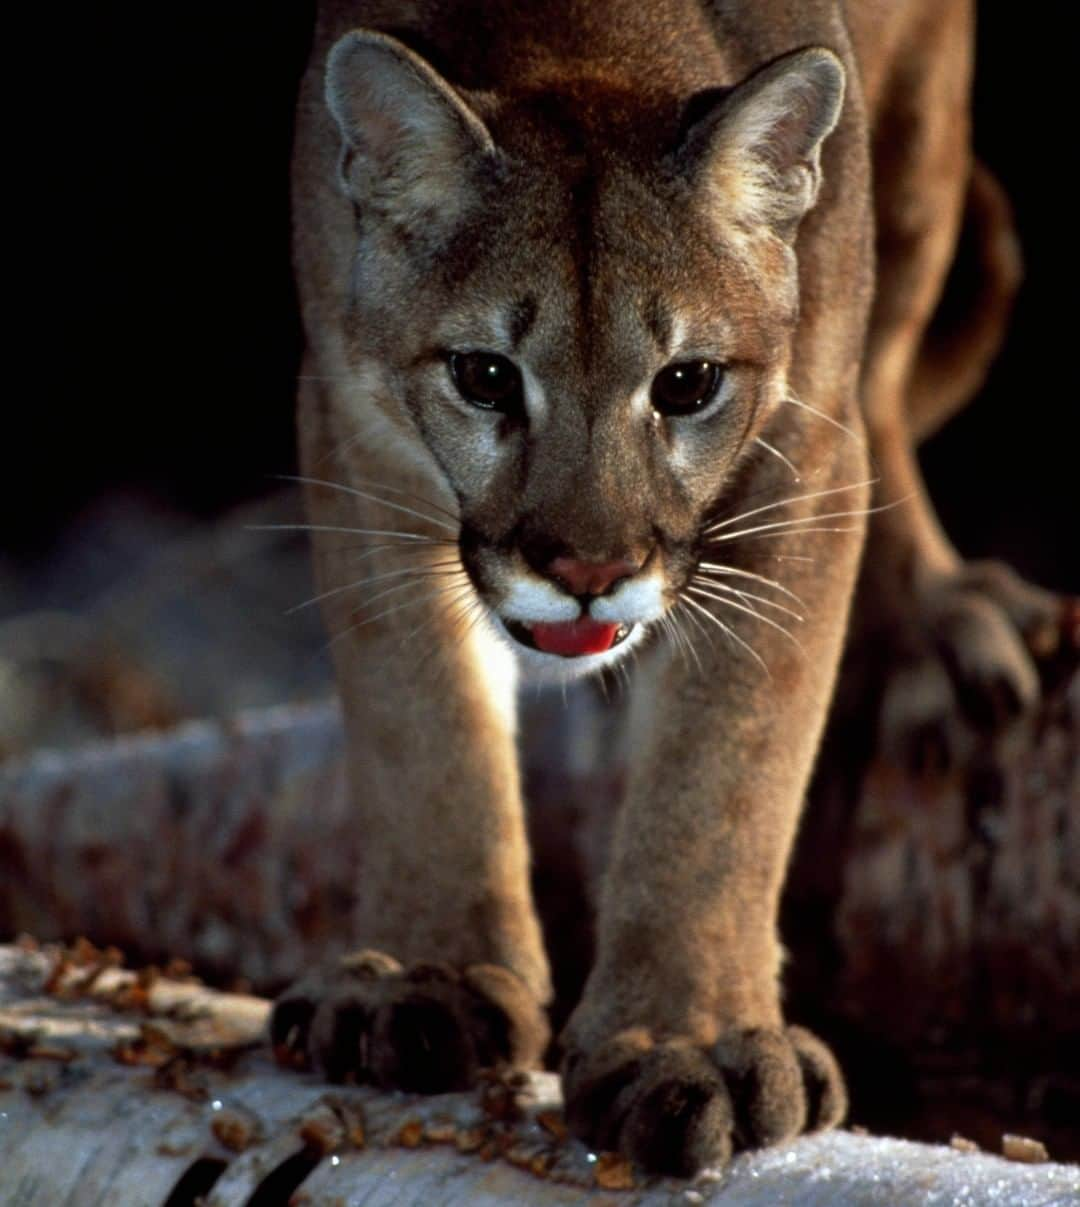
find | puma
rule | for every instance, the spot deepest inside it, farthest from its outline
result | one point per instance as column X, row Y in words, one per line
column 617, row 322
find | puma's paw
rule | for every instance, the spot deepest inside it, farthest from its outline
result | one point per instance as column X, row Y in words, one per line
column 429, row 1028
column 675, row 1107
column 969, row 661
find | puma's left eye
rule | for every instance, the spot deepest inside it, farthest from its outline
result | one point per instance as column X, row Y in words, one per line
column 686, row 387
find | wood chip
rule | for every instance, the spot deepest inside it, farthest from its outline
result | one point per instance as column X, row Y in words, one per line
column 235, row 1131
column 441, row 1132
column 1023, row 1148
column 411, row 1134
column 167, row 1149
column 613, row 1172
column 520, row 1155
column 49, row 1052
column 290, row 1058
column 179, row 970
column 37, row 1082
column 470, row 1139
column 180, row 1076
column 499, row 1102
column 83, row 952
column 962, row 1144
column 541, row 1163
column 554, row 1124
column 322, row 1131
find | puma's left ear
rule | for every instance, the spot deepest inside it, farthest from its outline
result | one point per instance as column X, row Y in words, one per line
column 757, row 152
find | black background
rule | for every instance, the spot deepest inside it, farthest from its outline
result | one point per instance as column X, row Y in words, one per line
column 159, row 338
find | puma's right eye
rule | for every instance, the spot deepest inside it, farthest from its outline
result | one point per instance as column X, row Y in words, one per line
column 487, row 380
column 685, row 387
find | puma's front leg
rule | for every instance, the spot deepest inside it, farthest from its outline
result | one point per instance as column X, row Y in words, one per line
column 679, row 1051
column 452, row 975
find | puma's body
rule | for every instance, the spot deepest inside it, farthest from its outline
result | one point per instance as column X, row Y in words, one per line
column 567, row 187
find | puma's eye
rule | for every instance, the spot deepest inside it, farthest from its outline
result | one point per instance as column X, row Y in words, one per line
column 487, row 380
column 686, row 387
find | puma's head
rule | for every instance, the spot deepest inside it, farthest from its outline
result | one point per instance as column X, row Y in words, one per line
column 583, row 297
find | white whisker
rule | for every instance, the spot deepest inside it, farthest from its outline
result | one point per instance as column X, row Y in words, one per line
column 387, row 591
column 672, row 634
column 798, row 402
column 409, row 603
column 730, row 633
column 341, row 448
column 363, row 494
column 730, row 603
column 807, row 519
column 395, row 548
column 745, row 595
column 780, row 457
column 405, row 536
column 370, row 482
column 454, row 602
column 436, row 570
column 720, row 568
column 816, row 494
column 683, row 638
column 761, row 536
column 706, row 633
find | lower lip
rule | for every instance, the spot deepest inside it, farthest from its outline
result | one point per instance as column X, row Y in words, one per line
column 571, row 639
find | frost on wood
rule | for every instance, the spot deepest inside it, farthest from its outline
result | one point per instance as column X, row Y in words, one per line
column 120, row 1089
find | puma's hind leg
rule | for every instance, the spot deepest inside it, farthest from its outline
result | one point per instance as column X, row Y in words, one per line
column 961, row 641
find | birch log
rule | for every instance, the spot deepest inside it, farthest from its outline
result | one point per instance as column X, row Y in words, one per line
column 125, row 1090
column 934, row 924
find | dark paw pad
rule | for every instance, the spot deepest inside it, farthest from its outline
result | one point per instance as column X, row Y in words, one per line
column 428, row 1029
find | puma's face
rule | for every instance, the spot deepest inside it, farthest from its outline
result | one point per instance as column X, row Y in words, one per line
column 586, row 319
column 588, row 414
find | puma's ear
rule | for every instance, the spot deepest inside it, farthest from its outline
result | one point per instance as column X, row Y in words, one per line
column 757, row 152
column 410, row 142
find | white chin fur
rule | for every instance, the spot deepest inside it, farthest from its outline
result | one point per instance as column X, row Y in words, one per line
column 538, row 667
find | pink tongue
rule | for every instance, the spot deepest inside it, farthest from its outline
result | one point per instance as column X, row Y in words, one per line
column 573, row 638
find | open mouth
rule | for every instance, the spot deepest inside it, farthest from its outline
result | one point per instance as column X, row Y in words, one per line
column 570, row 638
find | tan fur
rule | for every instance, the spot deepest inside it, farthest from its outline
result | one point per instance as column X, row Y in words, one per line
column 544, row 168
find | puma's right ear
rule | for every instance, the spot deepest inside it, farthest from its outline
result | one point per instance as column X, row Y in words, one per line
column 757, row 151
column 410, row 142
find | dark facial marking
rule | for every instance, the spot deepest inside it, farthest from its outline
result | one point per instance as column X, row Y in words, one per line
column 522, row 317
column 658, row 320
column 583, row 199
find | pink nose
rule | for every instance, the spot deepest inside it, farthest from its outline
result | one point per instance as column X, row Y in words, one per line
column 589, row 578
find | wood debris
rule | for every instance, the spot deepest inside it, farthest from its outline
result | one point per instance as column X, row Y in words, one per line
column 613, row 1172
column 962, row 1144
column 1024, row 1149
